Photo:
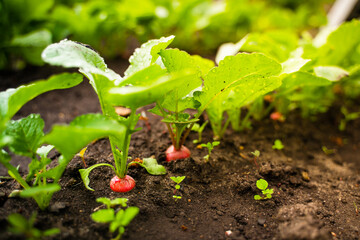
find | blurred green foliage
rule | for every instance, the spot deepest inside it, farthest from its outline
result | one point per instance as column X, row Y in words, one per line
column 115, row 27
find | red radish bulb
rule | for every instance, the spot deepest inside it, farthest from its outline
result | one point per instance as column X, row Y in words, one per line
column 277, row 116
column 172, row 154
column 122, row 184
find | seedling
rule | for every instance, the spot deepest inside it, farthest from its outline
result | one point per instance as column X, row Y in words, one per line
column 210, row 146
column 356, row 209
column 327, row 151
column 117, row 218
column 19, row 225
column 263, row 186
column 199, row 129
column 25, row 137
column 177, row 180
column 256, row 155
column 347, row 117
column 278, row 145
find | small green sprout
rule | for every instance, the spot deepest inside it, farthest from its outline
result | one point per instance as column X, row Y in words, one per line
column 19, row 225
column 199, row 129
column 347, row 117
column 177, row 180
column 327, row 151
column 256, row 154
column 118, row 219
column 210, row 146
column 278, row 145
column 263, row 186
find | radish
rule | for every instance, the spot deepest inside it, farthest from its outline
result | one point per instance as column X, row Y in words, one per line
column 122, row 184
column 172, row 154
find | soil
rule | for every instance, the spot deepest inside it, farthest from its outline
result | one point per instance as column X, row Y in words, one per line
column 315, row 195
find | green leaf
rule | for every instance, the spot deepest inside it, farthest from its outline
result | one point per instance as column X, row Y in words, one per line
column 84, row 173
column 277, row 44
column 144, row 76
column 268, row 191
column 178, row 180
column 243, row 72
column 39, row 38
column 119, row 201
column 340, row 45
column 302, row 79
column 12, row 100
column 215, row 143
column 293, row 64
column 180, row 61
column 103, row 215
column 34, row 192
column 69, row 140
column 262, row 184
column 71, row 54
column 147, row 54
column 257, row 197
column 137, row 96
column 26, row 134
column 18, row 221
column 152, row 167
column 50, row 232
column 330, row 72
column 129, row 214
column 278, row 145
column 103, row 200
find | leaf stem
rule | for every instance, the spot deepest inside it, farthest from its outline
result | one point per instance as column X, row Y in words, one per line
column 167, row 124
column 125, row 148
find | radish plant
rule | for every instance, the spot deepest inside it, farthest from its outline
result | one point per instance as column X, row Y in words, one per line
column 144, row 82
column 244, row 77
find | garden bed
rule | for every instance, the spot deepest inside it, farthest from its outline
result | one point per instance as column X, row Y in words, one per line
column 315, row 194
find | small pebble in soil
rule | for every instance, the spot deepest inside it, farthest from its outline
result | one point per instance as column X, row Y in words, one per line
column 56, row 207
column 261, row 221
column 228, row 233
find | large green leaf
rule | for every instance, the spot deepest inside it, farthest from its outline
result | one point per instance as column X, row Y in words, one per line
column 176, row 61
column 103, row 215
column 40, row 38
column 331, row 73
column 40, row 190
column 340, row 45
column 300, row 79
column 137, row 96
column 243, row 71
column 147, row 54
column 129, row 214
column 70, row 139
column 247, row 91
column 12, row 100
column 144, row 76
column 71, row 54
column 26, row 134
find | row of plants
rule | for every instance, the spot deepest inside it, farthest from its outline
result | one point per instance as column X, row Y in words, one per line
column 28, row 26
column 307, row 73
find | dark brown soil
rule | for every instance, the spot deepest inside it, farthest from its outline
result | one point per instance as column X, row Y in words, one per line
column 315, row 194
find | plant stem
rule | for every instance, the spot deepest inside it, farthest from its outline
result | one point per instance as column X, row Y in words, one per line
column 122, row 166
column 167, row 125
